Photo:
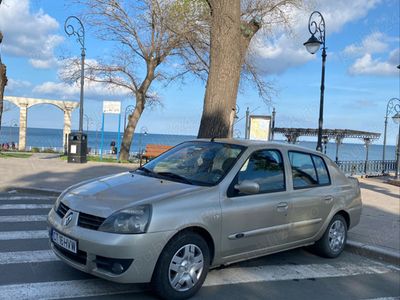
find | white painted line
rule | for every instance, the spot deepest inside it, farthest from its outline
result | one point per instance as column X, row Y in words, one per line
column 290, row 272
column 26, row 206
column 98, row 287
column 65, row 289
column 28, row 198
column 21, row 257
column 23, row 235
column 32, row 218
column 384, row 298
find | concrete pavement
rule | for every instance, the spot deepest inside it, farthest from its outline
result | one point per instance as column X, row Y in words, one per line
column 377, row 234
column 48, row 172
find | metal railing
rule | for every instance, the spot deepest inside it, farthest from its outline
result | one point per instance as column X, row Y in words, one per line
column 371, row 167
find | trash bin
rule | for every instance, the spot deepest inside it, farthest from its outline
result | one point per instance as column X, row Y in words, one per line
column 77, row 147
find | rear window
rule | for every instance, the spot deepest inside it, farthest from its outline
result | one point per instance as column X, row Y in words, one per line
column 308, row 170
column 322, row 171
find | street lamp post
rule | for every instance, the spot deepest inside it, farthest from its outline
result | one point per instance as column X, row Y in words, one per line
column 367, row 141
column 143, row 131
column 80, row 34
column 129, row 109
column 235, row 119
column 390, row 106
column 396, row 119
column 325, row 140
column 316, row 26
column 88, row 119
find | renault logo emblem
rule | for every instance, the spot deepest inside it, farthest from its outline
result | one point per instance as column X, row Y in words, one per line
column 67, row 218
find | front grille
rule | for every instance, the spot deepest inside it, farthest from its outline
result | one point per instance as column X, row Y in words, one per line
column 62, row 210
column 89, row 221
column 79, row 257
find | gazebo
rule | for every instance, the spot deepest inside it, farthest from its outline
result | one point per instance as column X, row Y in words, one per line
column 292, row 135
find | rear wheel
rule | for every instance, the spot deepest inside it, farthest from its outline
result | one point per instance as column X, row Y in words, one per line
column 182, row 267
column 334, row 239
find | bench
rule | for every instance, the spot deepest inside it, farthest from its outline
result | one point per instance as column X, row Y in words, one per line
column 152, row 151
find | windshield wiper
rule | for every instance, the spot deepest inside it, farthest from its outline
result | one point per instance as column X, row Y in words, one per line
column 145, row 170
column 175, row 176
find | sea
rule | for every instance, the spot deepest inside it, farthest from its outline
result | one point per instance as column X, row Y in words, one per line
column 44, row 138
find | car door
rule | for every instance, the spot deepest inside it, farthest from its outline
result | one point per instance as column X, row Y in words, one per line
column 312, row 196
column 254, row 222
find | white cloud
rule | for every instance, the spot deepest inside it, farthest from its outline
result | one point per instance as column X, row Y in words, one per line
column 93, row 90
column 277, row 54
column 15, row 84
column 29, row 34
column 376, row 42
column 373, row 45
column 366, row 65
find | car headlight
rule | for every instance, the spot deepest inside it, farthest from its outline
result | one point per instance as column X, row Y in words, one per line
column 132, row 220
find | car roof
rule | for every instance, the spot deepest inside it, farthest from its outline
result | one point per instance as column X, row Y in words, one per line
column 256, row 144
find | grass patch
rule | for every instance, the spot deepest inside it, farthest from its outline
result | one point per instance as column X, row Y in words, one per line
column 14, row 155
column 97, row 159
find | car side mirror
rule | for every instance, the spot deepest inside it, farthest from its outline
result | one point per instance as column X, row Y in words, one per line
column 248, row 187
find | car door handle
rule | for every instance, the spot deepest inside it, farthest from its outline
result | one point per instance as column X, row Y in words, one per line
column 328, row 199
column 282, row 207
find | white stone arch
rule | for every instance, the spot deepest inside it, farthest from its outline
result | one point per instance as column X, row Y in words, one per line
column 24, row 103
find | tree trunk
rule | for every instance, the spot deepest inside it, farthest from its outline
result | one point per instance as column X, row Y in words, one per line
column 3, row 83
column 230, row 39
column 225, row 67
column 130, row 128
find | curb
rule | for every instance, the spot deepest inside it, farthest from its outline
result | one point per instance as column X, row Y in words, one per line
column 374, row 252
column 41, row 191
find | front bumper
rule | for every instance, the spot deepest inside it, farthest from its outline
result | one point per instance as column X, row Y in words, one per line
column 142, row 250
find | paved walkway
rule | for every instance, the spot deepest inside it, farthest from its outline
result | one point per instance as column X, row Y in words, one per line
column 380, row 222
column 48, row 171
column 378, row 231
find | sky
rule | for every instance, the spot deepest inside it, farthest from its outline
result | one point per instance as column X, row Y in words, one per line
column 362, row 39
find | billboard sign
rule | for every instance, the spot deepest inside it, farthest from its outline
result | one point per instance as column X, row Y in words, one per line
column 260, row 128
column 111, row 107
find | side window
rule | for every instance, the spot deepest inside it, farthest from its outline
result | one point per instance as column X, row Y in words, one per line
column 308, row 170
column 264, row 167
column 322, row 171
column 303, row 170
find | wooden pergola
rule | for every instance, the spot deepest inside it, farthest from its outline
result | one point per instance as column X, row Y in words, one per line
column 292, row 135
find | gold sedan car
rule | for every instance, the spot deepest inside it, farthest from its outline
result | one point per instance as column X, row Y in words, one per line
column 200, row 205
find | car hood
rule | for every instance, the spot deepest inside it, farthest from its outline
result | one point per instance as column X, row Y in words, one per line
column 104, row 196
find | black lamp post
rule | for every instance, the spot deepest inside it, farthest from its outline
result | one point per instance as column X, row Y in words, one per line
column 390, row 106
column 128, row 110
column 396, row 119
column 79, row 138
column 80, row 34
column 316, row 26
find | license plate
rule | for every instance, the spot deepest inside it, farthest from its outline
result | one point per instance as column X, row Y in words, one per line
column 64, row 242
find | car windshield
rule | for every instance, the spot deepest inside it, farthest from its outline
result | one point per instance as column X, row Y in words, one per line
column 198, row 163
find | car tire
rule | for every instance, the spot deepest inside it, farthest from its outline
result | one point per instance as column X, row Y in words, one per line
column 333, row 241
column 182, row 267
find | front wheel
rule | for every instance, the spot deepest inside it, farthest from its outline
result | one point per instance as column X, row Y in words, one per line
column 182, row 267
column 334, row 239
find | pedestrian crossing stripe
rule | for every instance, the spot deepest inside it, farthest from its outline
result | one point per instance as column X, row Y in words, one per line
column 25, row 218
column 23, row 235
column 32, row 198
column 26, row 206
column 226, row 276
column 20, row 257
